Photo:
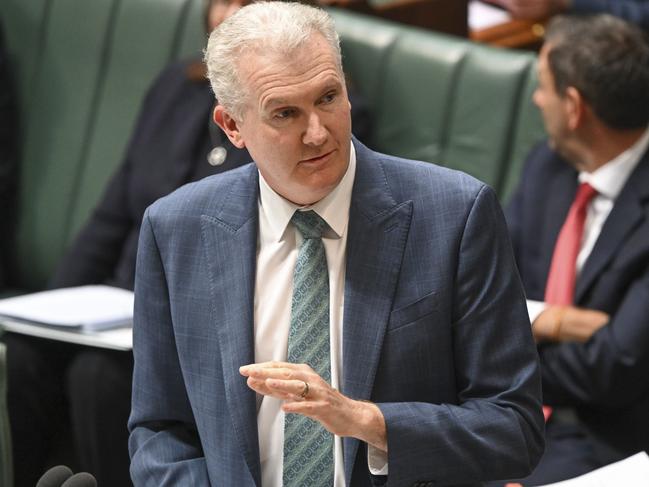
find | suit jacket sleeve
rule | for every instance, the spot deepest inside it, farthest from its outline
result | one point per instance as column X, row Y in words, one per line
column 495, row 427
column 610, row 370
column 164, row 445
column 636, row 11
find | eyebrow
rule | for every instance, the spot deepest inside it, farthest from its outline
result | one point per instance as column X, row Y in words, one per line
column 274, row 102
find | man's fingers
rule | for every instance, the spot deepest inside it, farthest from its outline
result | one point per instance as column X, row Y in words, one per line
column 272, row 373
column 297, row 388
column 272, row 368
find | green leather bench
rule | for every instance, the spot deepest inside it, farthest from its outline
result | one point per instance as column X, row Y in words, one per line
column 83, row 66
column 445, row 100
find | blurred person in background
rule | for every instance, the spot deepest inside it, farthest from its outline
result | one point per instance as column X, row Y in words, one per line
column 579, row 222
column 51, row 383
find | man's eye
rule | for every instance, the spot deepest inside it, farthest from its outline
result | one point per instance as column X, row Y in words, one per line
column 284, row 114
column 328, row 98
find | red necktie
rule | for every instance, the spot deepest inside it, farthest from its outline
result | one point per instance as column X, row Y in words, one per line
column 560, row 288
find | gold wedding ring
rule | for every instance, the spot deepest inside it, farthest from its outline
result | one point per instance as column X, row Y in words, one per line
column 305, row 391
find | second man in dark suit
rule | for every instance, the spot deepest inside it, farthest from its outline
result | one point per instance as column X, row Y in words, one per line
column 579, row 222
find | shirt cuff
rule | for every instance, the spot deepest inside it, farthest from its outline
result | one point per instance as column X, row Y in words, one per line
column 534, row 309
column 377, row 460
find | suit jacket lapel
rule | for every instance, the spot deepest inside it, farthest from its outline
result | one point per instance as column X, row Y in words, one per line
column 378, row 229
column 626, row 214
column 229, row 233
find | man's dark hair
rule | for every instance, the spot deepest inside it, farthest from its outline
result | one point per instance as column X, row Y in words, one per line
column 607, row 60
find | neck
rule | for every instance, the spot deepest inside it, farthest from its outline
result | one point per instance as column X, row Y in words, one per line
column 604, row 144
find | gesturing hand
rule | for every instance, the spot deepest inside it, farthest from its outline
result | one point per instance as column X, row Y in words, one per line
column 305, row 392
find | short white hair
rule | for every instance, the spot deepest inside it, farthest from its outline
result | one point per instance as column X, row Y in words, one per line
column 264, row 27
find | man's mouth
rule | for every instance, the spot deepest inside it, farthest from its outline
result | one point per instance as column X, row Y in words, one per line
column 317, row 159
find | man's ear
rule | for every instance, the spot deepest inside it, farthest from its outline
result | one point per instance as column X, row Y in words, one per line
column 229, row 126
column 575, row 108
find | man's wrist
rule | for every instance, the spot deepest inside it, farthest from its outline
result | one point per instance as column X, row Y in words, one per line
column 547, row 327
column 371, row 425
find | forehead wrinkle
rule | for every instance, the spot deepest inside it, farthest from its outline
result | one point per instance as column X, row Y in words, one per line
column 267, row 69
column 320, row 82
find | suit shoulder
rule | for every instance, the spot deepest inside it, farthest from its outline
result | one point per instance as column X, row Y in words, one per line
column 410, row 179
column 205, row 195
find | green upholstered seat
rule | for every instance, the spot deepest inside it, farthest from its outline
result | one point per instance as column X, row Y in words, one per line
column 443, row 99
column 82, row 68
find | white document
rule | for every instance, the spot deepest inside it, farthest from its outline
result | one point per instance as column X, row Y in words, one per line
column 483, row 16
column 89, row 308
column 114, row 339
column 630, row 472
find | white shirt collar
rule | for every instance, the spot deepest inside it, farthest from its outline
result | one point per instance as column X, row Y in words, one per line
column 609, row 179
column 333, row 208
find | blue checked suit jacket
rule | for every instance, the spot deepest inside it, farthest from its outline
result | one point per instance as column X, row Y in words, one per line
column 435, row 332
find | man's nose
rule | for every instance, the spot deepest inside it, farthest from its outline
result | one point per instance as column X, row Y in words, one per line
column 316, row 133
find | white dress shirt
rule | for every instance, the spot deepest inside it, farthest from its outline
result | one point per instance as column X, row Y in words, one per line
column 277, row 248
column 608, row 180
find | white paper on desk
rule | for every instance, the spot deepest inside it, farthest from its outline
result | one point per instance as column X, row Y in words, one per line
column 95, row 307
column 483, row 16
column 630, row 472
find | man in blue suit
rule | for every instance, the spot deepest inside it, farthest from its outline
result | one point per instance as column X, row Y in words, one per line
column 423, row 370
column 593, row 345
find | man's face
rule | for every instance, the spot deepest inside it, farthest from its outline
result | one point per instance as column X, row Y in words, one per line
column 551, row 104
column 296, row 121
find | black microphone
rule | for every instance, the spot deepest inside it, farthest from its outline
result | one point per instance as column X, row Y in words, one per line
column 55, row 476
column 81, row 479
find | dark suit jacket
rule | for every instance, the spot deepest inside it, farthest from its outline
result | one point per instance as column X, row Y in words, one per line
column 435, row 331
column 168, row 148
column 607, row 378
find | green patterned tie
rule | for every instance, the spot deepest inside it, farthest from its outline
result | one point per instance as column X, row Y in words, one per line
column 308, row 446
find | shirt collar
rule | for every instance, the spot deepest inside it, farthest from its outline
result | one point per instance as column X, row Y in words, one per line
column 609, row 179
column 333, row 208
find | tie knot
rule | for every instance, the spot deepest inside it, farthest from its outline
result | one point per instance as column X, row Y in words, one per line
column 585, row 193
column 309, row 223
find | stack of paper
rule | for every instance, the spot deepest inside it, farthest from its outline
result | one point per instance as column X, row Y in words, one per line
column 87, row 308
